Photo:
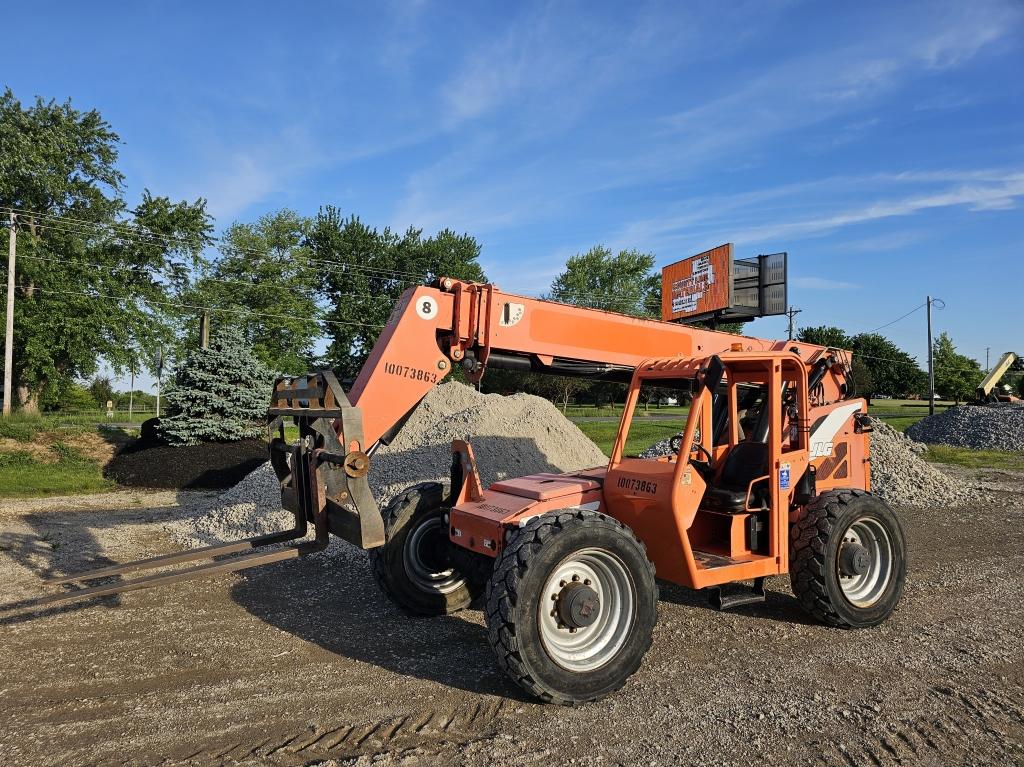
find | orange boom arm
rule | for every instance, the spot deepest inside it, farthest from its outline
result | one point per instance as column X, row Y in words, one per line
column 479, row 326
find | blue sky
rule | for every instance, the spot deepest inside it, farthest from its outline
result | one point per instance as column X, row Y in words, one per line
column 880, row 144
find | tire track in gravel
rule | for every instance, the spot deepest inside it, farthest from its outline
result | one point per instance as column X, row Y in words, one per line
column 294, row 747
column 975, row 726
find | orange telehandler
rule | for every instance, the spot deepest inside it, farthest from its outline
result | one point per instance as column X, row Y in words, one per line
column 769, row 474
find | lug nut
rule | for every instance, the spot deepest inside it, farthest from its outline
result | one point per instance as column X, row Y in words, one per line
column 576, row 578
column 586, row 581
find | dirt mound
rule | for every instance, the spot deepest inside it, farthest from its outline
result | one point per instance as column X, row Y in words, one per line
column 898, row 473
column 511, row 436
column 209, row 466
column 979, row 427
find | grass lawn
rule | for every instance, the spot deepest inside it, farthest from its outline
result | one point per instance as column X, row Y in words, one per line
column 975, row 459
column 43, row 455
column 66, row 471
column 641, row 434
column 615, row 411
column 898, row 413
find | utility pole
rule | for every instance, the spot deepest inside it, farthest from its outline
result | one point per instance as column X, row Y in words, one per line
column 987, row 368
column 131, row 395
column 159, row 374
column 792, row 313
column 9, row 337
column 931, row 363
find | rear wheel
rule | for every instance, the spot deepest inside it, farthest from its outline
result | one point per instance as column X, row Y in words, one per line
column 571, row 606
column 848, row 559
column 419, row 567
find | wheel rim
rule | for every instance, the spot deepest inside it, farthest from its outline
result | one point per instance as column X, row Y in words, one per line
column 588, row 647
column 422, row 561
column 865, row 588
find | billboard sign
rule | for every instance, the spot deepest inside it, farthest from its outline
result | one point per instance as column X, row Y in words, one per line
column 714, row 286
column 697, row 285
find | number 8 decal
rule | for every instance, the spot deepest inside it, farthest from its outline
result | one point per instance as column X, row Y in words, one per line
column 426, row 307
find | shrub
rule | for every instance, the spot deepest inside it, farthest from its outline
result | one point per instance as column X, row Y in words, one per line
column 219, row 394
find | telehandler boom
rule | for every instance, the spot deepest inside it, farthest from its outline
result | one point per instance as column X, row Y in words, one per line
column 769, row 474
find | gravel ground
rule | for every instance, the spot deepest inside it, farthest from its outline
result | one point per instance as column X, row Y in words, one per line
column 898, row 473
column 980, row 427
column 511, row 436
column 304, row 662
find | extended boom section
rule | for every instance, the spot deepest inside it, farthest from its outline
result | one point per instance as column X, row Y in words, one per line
column 477, row 326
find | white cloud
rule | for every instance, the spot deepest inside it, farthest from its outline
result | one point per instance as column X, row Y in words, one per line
column 526, row 149
column 997, row 195
column 777, row 215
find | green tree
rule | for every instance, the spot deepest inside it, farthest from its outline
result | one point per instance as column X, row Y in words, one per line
column 863, row 381
column 264, row 271
column 878, row 364
column 101, row 390
column 956, row 375
column 560, row 389
column 89, row 286
column 893, row 371
column 140, row 400
column 219, row 394
column 825, row 335
column 362, row 272
column 74, row 398
column 622, row 282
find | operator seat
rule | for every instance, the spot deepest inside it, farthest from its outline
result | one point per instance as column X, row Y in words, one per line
column 745, row 462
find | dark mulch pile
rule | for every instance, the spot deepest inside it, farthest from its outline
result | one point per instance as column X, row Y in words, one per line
column 209, row 466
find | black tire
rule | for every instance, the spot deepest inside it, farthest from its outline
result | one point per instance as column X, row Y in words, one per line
column 516, row 595
column 415, row 579
column 816, row 539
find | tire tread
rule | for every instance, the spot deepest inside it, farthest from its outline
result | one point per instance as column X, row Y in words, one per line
column 502, row 592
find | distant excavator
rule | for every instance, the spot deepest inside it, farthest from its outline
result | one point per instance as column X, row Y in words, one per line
column 988, row 391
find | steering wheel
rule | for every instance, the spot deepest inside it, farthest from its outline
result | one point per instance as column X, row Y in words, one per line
column 704, row 467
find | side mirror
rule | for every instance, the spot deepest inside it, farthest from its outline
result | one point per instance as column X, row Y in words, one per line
column 713, row 373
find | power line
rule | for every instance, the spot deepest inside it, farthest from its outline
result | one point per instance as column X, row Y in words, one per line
column 901, row 317
column 71, row 224
column 30, row 290
column 76, row 225
column 371, row 272
column 134, row 231
column 157, row 272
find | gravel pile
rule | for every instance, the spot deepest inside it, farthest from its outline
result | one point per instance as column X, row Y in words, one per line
column 903, row 478
column 980, row 427
column 511, row 437
column 898, row 473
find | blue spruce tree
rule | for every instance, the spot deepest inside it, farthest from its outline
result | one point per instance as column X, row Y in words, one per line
column 219, row 394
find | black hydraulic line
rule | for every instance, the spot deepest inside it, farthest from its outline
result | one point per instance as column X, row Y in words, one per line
column 598, row 371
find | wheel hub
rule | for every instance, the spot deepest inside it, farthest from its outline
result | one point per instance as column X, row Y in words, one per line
column 578, row 605
column 854, row 559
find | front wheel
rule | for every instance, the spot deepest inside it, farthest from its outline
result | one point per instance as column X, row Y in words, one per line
column 571, row 606
column 419, row 567
column 848, row 559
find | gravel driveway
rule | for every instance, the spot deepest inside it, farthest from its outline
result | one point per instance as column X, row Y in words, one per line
column 305, row 662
